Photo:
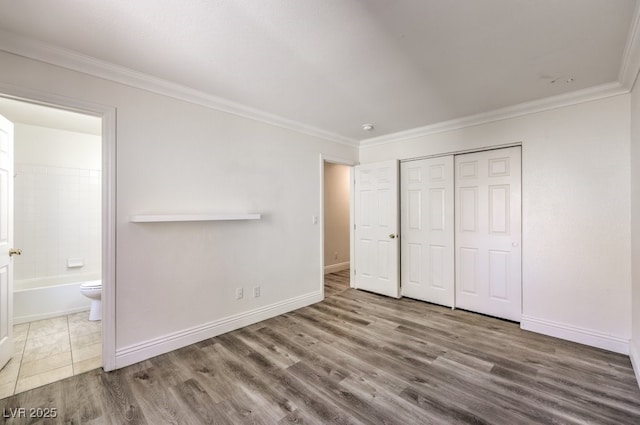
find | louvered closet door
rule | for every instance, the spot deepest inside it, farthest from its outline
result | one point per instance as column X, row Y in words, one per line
column 427, row 260
column 488, row 232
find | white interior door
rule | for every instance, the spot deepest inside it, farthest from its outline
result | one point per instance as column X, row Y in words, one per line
column 427, row 229
column 488, row 232
column 376, row 228
column 6, row 240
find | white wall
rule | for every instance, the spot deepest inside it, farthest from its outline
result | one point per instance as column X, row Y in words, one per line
column 635, row 229
column 57, row 207
column 177, row 279
column 576, row 221
column 336, row 217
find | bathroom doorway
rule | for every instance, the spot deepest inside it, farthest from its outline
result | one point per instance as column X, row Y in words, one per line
column 58, row 227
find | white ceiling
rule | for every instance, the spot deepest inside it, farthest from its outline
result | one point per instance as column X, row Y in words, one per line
column 337, row 64
column 44, row 116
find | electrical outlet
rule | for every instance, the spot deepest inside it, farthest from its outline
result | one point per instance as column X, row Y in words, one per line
column 256, row 292
column 239, row 293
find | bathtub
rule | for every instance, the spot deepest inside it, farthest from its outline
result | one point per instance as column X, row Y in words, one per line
column 37, row 299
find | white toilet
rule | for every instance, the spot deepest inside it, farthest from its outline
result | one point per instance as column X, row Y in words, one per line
column 93, row 290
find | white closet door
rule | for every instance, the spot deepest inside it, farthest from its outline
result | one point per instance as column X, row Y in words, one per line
column 488, row 233
column 376, row 233
column 427, row 261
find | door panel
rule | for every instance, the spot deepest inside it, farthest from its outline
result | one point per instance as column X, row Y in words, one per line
column 488, row 232
column 376, row 216
column 427, row 267
column 6, row 240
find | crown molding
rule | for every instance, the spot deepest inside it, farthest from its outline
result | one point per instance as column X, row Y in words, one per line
column 15, row 44
column 630, row 65
column 22, row 46
column 578, row 96
column 629, row 69
column 627, row 77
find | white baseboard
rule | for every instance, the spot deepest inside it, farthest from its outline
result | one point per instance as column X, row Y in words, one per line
column 634, row 355
column 575, row 334
column 154, row 347
column 334, row 268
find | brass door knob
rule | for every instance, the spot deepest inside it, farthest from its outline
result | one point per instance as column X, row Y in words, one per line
column 15, row 251
column 392, row 236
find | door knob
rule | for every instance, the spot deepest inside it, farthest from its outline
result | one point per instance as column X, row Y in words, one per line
column 392, row 236
column 15, row 251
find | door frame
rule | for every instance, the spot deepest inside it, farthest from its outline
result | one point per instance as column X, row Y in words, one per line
column 464, row 151
column 108, row 116
column 349, row 163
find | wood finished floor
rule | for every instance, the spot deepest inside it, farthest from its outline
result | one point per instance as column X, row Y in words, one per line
column 357, row 358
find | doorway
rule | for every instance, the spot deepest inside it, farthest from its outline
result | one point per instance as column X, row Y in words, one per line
column 58, row 224
column 336, row 225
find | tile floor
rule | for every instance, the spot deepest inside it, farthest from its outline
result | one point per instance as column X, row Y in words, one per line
column 50, row 350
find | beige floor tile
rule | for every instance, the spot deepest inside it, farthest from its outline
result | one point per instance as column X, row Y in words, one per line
column 87, row 365
column 87, row 352
column 48, row 327
column 45, row 351
column 82, row 316
column 44, row 365
column 18, row 348
column 9, row 373
column 82, row 340
column 20, row 337
column 86, row 327
column 60, row 338
column 43, row 378
column 48, row 323
column 20, row 330
column 6, row 390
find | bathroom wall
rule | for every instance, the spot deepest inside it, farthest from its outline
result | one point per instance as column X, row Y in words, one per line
column 336, row 217
column 57, row 212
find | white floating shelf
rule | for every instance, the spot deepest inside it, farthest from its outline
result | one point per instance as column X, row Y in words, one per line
column 158, row 218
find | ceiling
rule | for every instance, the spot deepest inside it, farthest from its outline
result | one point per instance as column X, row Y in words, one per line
column 335, row 65
column 44, row 116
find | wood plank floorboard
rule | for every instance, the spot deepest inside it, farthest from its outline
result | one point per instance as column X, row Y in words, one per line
column 355, row 358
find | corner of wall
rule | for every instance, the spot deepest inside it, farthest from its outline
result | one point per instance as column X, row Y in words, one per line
column 634, row 355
